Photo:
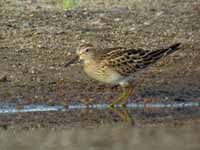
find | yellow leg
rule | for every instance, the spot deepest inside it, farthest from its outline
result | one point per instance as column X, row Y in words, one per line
column 117, row 100
column 129, row 93
column 126, row 92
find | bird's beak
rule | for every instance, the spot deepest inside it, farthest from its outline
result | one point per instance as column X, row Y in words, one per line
column 72, row 61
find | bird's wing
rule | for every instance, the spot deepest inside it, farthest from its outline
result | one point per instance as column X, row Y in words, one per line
column 124, row 61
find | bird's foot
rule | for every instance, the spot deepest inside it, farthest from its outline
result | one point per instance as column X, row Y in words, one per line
column 119, row 103
column 123, row 105
column 112, row 105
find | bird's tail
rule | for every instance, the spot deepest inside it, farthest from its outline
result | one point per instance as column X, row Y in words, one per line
column 155, row 55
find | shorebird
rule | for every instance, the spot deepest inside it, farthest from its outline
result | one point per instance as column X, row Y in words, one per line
column 118, row 65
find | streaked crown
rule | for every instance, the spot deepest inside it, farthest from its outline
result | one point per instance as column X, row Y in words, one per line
column 86, row 51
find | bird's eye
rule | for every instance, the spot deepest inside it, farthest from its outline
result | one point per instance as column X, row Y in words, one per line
column 87, row 50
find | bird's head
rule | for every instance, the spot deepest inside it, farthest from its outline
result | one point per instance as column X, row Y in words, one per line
column 86, row 52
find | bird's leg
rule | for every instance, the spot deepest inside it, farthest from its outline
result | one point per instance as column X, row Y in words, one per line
column 122, row 96
column 126, row 91
column 130, row 91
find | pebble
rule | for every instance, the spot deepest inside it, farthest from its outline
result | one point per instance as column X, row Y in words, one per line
column 160, row 13
column 147, row 23
column 3, row 78
column 117, row 19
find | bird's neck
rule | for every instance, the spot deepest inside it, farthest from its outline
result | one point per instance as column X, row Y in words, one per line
column 90, row 64
column 89, row 61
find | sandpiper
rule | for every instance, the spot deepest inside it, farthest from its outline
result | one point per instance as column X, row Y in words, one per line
column 118, row 65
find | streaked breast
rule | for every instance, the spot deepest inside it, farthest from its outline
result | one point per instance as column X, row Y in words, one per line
column 102, row 73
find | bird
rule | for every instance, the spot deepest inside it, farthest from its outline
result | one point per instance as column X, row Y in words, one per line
column 118, row 65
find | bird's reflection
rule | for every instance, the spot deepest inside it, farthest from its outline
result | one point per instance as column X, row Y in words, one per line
column 124, row 114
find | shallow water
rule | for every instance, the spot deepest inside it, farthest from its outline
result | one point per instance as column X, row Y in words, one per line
column 103, row 138
column 14, row 108
column 81, row 116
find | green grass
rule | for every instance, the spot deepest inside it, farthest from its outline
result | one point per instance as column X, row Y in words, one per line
column 70, row 4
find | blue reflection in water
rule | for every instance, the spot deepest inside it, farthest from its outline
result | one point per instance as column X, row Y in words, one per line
column 13, row 108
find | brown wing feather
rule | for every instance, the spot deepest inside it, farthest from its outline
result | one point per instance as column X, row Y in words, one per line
column 123, row 60
column 126, row 61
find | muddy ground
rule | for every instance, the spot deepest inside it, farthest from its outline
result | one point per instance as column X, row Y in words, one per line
column 37, row 37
